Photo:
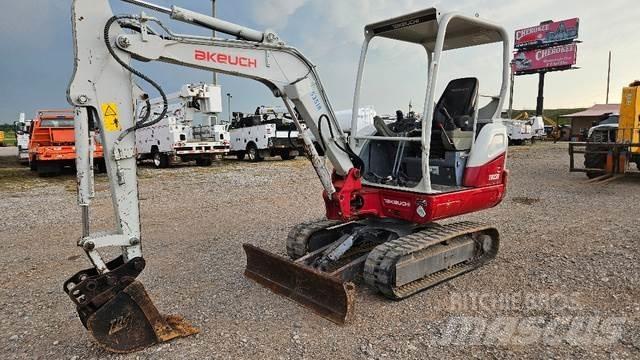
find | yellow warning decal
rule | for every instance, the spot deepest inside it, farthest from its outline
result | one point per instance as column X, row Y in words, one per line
column 111, row 117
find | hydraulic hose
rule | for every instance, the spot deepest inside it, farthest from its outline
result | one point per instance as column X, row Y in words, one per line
column 165, row 103
column 357, row 161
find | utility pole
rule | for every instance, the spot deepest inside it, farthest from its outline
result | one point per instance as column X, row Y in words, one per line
column 229, row 106
column 213, row 14
column 609, row 76
column 513, row 78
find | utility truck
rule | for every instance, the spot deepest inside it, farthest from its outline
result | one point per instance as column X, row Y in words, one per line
column 269, row 131
column 175, row 138
column 519, row 131
column 52, row 143
column 364, row 118
column 23, row 132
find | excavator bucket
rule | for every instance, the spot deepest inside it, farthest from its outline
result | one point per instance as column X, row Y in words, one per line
column 117, row 310
column 326, row 295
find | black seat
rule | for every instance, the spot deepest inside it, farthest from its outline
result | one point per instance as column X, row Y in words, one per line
column 457, row 104
column 453, row 117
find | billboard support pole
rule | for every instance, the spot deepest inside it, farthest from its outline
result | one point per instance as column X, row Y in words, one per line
column 540, row 104
column 513, row 78
column 608, row 77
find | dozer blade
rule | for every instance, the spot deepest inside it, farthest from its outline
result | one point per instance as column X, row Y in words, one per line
column 327, row 296
column 117, row 310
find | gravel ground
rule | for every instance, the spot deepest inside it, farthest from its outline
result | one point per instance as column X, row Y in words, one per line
column 8, row 151
column 564, row 285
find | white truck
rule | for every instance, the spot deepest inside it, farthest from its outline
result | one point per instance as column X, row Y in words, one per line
column 23, row 133
column 537, row 127
column 175, row 138
column 268, row 132
column 365, row 118
column 518, row 131
column 521, row 131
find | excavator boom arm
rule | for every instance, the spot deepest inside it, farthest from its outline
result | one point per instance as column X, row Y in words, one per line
column 103, row 91
column 113, row 305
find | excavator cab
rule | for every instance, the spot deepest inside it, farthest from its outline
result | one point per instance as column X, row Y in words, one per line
column 434, row 153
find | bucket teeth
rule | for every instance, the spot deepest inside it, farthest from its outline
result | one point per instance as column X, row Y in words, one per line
column 328, row 296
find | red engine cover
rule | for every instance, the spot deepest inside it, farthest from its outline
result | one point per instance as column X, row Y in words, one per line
column 354, row 201
column 485, row 175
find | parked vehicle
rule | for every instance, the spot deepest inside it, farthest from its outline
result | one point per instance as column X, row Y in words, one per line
column 365, row 118
column 23, row 133
column 537, row 127
column 2, row 143
column 52, row 143
column 175, row 138
column 607, row 127
column 518, row 131
column 268, row 132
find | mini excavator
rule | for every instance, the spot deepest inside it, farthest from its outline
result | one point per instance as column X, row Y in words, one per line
column 383, row 193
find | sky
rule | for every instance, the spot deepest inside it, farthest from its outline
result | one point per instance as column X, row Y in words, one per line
column 37, row 51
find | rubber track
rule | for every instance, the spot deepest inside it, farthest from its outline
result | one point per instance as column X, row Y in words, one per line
column 379, row 269
column 298, row 237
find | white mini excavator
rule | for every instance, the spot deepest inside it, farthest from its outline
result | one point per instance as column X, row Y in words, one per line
column 383, row 192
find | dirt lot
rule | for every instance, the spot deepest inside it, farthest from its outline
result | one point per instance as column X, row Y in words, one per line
column 565, row 283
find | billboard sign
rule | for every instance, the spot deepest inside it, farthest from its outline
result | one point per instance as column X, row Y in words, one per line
column 545, row 34
column 558, row 57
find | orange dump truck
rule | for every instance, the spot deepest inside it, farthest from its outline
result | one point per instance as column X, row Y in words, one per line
column 52, row 143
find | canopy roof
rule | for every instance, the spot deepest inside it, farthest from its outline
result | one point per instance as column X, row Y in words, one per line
column 421, row 27
column 596, row 110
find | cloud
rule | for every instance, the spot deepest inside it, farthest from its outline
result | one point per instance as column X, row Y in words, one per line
column 329, row 32
column 29, row 23
column 274, row 14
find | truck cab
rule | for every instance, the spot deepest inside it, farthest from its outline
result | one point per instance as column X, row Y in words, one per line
column 52, row 143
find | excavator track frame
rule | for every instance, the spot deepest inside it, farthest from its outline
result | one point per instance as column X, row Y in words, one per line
column 299, row 235
column 381, row 265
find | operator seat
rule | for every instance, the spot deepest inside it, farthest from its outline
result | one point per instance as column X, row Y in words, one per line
column 453, row 115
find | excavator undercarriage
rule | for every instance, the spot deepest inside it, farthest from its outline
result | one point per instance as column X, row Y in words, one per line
column 397, row 259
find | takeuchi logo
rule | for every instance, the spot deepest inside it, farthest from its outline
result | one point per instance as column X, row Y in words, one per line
column 226, row 59
column 397, row 202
